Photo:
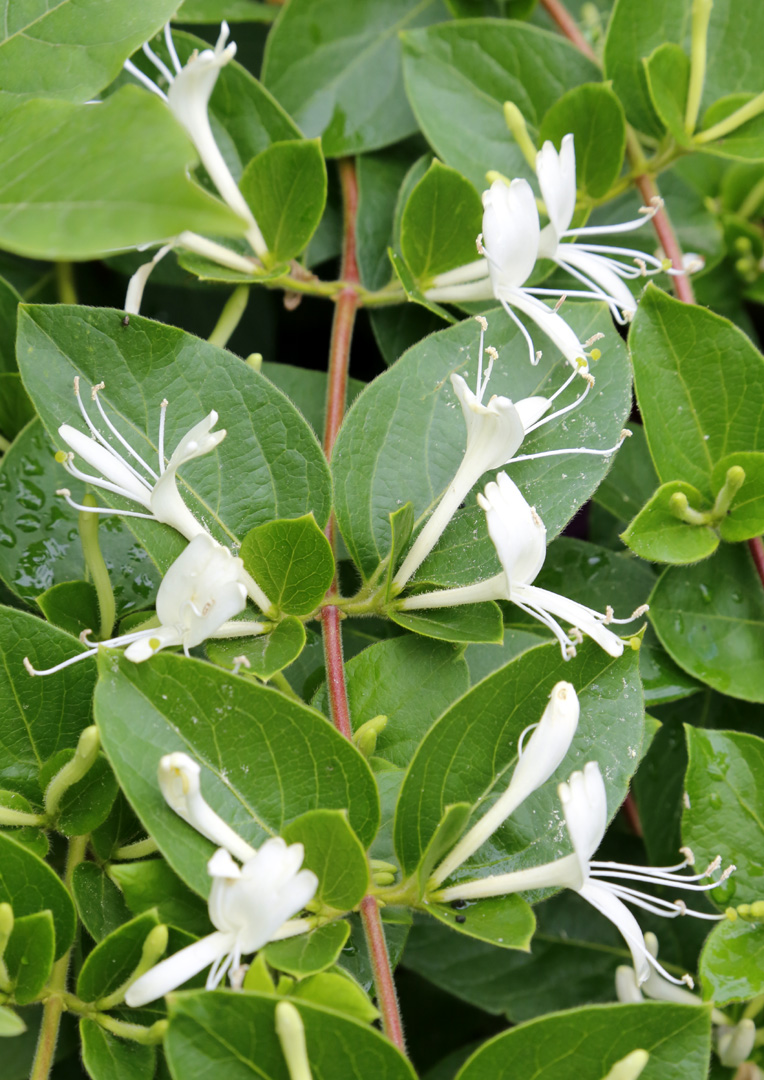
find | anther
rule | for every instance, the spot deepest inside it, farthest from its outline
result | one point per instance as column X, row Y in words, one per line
column 726, row 873
column 560, row 302
column 680, row 906
column 84, row 635
column 76, row 386
column 482, row 322
column 479, row 245
column 588, row 377
column 570, row 651
column 593, row 338
column 642, row 266
column 688, row 981
column 65, row 492
column 688, row 854
column 535, row 518
column 713, row 866
column 576, row 636
column 28, row 666
column 94, row 390
column 492, row 352
column 240, row 662
column 609, row 615
column 163, row 403
column 643, row 608
column 538, row 356
column 625, row 434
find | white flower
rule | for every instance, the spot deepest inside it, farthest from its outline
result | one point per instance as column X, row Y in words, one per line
column 156, row 491
column 510, row 242
column 188, row 94
column 197, row 599
column 584, row 803
column 630, row 1067
column 495, row 433
column 546, row 748
column 595, row 265
column 248, row 905
column 519, row 537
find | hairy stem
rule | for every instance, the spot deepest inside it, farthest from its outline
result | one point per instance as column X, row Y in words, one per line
column 54, row 1005
column 348, row 302
column 387, row 999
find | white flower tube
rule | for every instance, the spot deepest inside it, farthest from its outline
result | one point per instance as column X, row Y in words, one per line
column 546, row 748
column 197, row 599
column 248, row 905
column 519, row 536
column 584, row 803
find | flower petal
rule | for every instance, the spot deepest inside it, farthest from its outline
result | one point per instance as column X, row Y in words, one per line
column 600, row 897
column 569, row 611
column 557, row 179
column 510, row 231
column 177, row 969
column 517, row 532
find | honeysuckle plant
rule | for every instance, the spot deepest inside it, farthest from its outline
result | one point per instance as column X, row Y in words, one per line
column 333, row 728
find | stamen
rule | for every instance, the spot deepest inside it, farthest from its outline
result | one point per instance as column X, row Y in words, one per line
column 688, row 854
column 479, row 245
column 66, row 494
column 115, row 432
column 560, row 302
column 162, row 411
column 158, row 64
column 99, row 437
column 534, row 356
column 688, row 981
column 61, row 666
column 171, row 49
column 480, row 362
column 84, row 635
column 561, row 412
column 98, row 481
column 147, row 82
column 595, row 337
column 531, row 727
column 610, row 618
column 712, row 866
column 576, row 636
column 482, row 322
column 493, row 354
column 239, row 662
column 556, row 453
column 567, row 647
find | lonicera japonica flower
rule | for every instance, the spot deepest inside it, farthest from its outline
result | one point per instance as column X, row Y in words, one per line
column 584, row 804
column 495, row 433
column 157, row 491
column 198, row 598
column 519, row 536
column 536, row 762
column 249, row 905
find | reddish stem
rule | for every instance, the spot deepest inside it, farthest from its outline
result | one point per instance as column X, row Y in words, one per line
column 568, row 27
column 667, row 237
column 756, row 548
column 339, row 361
column 387, row 998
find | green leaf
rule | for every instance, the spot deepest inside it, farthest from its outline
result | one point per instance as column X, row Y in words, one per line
column 709, row 618
column 732, row 962
column 450, row 828
column 401, row 528
column 412, row 290
column 150, row 884
column 234, row 1034
column 269, row 450
column 659, row 535
column 585, row 1044
column 39, row 716
column 725, row 787
column 32, row 837
column 700, row 387
column 39, row 543
column 746, row 515
column 309, row 953
column 336, row 68
column 71, row 605
column 127, row 184
column 106, row 1057
column 16, row 410
column 266, row 654
column 99, row 902
column 467, row 622
column 285, row 187
column 594, row 116
column 255, row 744
column 334, row 854
column 29, row 955
column 442, row 217
column 397, row 328
column 380, row 176
column 408, row 680
column 338, row 991
column 483, row 727
column 292, row 561
column 507, row 921
column 635, row 30
column 745, row 142
column 459, row 74
column 113, row 960
column 29, row 886
column 9, row 302
column 214, row 11
column 383, row 456
column 72, row 50
column 307, row 390
column 86, row 804
column 667, row 72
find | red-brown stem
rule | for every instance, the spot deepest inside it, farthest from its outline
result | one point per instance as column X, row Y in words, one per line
column 339, row 360
column 632, row 814
column 387, row 999
column 667, row 237
column 568, row 27
column 757, row 551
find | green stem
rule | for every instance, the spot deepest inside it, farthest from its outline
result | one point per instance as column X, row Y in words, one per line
column 148, row 1036
column 54, row 1005
column 137, row 850
column 65, row 283
column 230, row 316
column 280, row 681
column 87, row 525
column 701, row 13
column 4, row 444
column 753, row 200
column 746, row 112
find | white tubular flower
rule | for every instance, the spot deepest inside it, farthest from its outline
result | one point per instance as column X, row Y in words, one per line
column 630, row 1067
column 734, row 1045
column 519, row 536
column 597, row 266
column 248, row 905
column 546, row 748
column 510, row 243
column 179, row 782
column 188, row 94
column 156, row 491
column 584, row 803
column 197, row 599
column 494, row 435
